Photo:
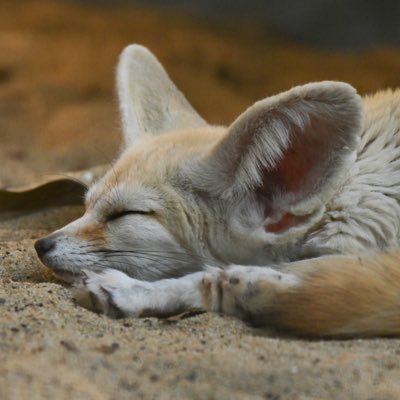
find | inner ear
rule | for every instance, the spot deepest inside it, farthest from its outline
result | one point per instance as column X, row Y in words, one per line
column 289, row 152
column 150, row 103
column 314, row 153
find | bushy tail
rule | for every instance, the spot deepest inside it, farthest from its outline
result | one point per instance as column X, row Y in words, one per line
column 341, row 297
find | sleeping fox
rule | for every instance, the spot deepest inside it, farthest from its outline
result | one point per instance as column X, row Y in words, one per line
column 289, row 218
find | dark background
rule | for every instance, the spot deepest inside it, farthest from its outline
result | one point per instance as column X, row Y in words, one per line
column 331, row 24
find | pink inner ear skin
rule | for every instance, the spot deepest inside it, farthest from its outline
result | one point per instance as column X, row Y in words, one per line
column 294, row 169
column 286, row 221
column 307, row 160
column 306, row 163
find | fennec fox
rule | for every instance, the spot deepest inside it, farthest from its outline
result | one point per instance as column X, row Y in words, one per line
column 289, row 218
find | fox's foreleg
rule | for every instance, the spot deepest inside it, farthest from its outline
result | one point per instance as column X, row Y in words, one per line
column 116, row 294
column 237, row 290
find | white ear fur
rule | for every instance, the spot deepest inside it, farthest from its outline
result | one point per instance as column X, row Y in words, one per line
column 149, row 101
column 290, row 150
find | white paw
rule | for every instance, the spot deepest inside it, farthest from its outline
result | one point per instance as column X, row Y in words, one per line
column 113, row 293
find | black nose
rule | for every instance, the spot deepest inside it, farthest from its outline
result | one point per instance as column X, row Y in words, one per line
column 43, row 246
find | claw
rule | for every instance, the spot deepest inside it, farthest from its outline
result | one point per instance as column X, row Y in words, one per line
column 113, row 310
column 86, row 275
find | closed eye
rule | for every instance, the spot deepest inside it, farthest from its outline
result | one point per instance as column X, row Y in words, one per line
column 121, row 214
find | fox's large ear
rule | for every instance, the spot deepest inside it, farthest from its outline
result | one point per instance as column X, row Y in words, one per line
column 150, row 103
column 288, row 152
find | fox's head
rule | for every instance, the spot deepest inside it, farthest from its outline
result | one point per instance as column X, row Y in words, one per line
column 184, row 193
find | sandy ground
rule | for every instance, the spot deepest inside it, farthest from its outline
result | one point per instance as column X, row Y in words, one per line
column 58, row 113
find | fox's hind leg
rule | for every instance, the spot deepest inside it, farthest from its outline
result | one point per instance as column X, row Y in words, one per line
column 244, row 291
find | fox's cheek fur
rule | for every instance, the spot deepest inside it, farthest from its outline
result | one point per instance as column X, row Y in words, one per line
column 143, row 248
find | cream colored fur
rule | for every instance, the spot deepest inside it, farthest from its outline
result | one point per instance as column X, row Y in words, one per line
column 267, row 202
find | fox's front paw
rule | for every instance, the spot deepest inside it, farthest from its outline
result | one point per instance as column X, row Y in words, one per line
column 112, row 293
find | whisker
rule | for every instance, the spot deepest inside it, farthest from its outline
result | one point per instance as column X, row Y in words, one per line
column 130, row 268
column 148, row 251
column 146, row 257
column 91, row 245
column 155, row 256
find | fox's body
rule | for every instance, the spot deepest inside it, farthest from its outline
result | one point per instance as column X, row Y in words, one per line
column 296, row 205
